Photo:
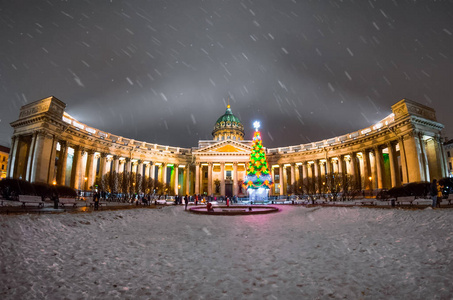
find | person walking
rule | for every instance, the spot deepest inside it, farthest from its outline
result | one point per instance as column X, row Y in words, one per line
column 96, row 200
column 186, row 201
column 433, row 192
column 439, row 194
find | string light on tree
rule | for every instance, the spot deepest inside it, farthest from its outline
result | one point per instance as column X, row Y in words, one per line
column 258, row 180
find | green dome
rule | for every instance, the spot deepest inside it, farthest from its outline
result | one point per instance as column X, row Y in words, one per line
column 229, row 124
column 228, row 117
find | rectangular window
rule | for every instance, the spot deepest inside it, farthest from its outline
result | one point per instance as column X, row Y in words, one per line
column 448, row 153
column 3, row 166
column 449, row 164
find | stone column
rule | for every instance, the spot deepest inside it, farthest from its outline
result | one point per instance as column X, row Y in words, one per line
column 51, row 167
column 341, row 165
column 222, row 179
column 235, row 179
column 443, row 158
column 424, row 158
column 62, row 164
column 187, row 177
column 412, row 149
column 273, row 178
column 293, row 174
column 12, row 157
column 147, row 165
column 335, row 165
column 197, row 178
column 366, row 170
column 121, row 164
column 134, row 167
column 281, row 181
column 353, row 165
column 115, row 164
column 328, row 166
column 102, row 165
column 164, row 173
column 140, row 167
column 152, row 170
column 210, row 179
column 298, row 173
column 322, row 168
column 90, row 169
column 379, row 166
column 127, row 165
column 394, row 174
column 176, row 180
column 39, row 168
column 75, row 172
column 30, row 157
column 317, row 176
column 305, row 173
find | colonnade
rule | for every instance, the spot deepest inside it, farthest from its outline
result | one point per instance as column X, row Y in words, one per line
column 50, row 146
column 229, row 175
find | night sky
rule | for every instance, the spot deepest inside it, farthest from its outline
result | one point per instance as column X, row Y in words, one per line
column 163, row 71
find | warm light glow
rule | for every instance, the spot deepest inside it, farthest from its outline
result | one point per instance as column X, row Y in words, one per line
column 54, row 182
column 86, row 178
column 370, row 178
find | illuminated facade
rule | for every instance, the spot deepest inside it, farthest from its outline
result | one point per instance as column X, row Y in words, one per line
column 4, row 154
column 49, row 145
column 448, row 146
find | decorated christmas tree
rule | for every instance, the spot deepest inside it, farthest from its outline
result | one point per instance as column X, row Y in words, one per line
column 258, row 180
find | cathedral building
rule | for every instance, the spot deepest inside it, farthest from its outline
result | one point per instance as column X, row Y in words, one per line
column 48, row 145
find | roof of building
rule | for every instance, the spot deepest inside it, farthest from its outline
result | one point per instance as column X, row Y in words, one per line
column 449, row 142
column 228, row 121
column 4, row 149
column 228, row 117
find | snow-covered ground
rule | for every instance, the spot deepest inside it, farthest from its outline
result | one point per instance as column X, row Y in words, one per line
column 298, row 253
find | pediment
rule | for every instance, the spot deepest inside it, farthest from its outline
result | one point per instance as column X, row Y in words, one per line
column 228, row 146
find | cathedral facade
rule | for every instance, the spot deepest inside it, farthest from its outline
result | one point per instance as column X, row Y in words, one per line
column 48, row 145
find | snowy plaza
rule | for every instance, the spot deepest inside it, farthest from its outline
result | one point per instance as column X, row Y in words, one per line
column 298, row 253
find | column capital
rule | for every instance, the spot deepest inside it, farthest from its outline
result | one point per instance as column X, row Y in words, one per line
column 103, row 154
column 63, row 143
column 40, row 132
column 115, row 157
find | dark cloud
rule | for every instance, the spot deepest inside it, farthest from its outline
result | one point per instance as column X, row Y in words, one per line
column 162, row 71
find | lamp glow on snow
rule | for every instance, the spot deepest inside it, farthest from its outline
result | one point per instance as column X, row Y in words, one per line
column 258, row 181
